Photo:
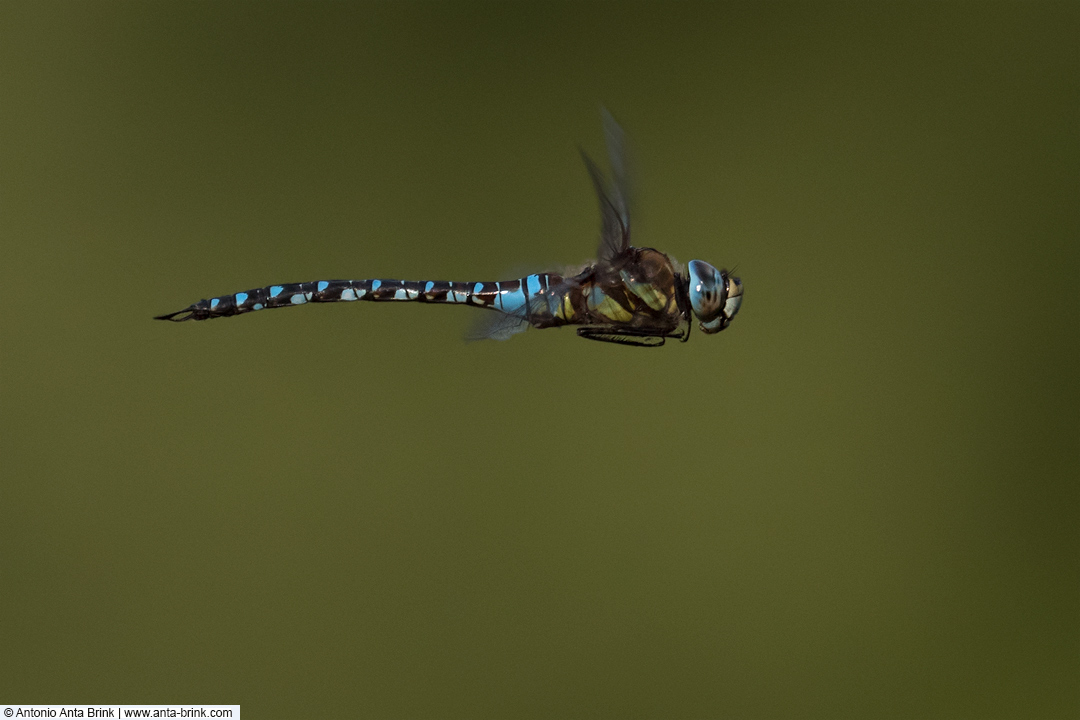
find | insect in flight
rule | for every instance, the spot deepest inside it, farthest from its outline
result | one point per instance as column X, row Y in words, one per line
column 628, row 295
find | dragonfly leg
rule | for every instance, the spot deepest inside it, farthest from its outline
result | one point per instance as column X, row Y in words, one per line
column 622, row 336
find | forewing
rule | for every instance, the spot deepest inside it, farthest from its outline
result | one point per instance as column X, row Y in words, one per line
column 614, row 196
column 614, row 224
column 622, row 170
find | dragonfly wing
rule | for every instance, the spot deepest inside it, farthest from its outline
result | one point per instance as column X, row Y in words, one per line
column 614, row 196
column 614, row 232
column 497, row 326
column 542, row 307
column 622, row 170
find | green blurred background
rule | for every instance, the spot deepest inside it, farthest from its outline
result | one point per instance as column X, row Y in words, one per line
column 860, row 501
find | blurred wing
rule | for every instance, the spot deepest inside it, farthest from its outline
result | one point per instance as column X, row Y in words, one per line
column 621, row 163
column 614, row 197
column 497, row 326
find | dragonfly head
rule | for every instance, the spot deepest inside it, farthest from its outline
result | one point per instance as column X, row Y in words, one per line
column 715, row 296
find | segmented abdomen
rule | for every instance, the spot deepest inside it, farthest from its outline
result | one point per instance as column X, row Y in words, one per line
column 507, row 296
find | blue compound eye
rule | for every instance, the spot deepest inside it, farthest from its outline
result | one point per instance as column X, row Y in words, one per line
column 715, row 297
column 707, row 296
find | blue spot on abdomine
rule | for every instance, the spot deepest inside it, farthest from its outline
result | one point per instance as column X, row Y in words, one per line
column 241, row 298
column 275, row 290
column 214, row 303
column 323, row 285
column 375, row 285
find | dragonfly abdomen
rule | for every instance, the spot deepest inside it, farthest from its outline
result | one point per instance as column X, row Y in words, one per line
column 506, row 296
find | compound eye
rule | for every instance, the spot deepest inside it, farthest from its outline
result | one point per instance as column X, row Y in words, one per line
column 707, row 290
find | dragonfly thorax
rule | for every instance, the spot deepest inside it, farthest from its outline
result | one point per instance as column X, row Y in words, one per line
column 715, row 296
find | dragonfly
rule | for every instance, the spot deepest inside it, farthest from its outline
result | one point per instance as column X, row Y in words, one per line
column 635, row 296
